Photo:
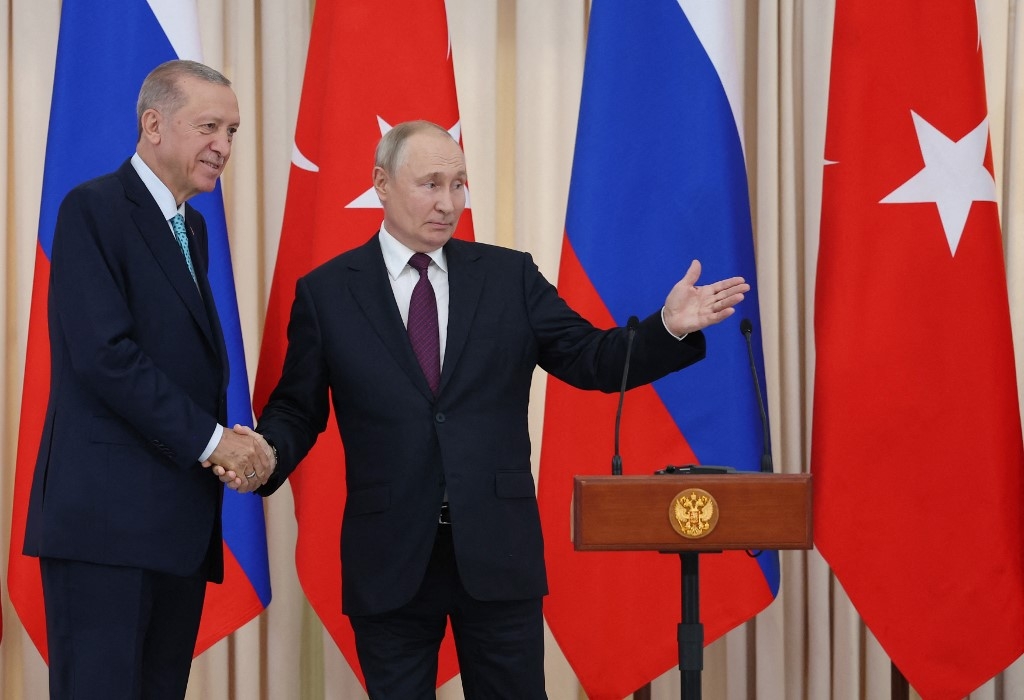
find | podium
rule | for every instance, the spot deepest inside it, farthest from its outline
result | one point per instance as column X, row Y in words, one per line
column 690, row 514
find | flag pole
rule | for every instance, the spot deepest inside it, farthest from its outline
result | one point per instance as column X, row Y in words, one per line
column 899, row 688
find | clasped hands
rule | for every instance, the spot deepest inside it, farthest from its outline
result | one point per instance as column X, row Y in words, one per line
column 243, row 460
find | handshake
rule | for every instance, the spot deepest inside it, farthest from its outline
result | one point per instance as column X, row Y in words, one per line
column 243, row 460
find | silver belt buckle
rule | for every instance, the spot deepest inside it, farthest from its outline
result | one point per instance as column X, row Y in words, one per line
column 444, row 517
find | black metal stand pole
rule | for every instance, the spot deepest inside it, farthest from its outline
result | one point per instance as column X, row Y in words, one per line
column 899, row 688
column 691, row 631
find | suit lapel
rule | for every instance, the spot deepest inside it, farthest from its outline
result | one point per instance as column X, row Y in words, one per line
column 156, row 233
column 371, row 289
column 465, row 284
column 200, row 261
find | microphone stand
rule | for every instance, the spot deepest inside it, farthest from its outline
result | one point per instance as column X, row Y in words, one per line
column 747, row 328
column 690, row 632
column 631, row 325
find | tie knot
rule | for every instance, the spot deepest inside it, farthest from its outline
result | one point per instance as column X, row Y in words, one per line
column 420, row 261
column 178, row 222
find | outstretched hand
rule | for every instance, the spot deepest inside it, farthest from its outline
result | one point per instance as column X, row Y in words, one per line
column 690, row 308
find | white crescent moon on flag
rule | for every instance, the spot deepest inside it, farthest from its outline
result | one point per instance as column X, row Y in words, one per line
column 302, row 162
column 180, row 23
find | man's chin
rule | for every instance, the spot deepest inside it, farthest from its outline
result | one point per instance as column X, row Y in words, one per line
column 207, row 185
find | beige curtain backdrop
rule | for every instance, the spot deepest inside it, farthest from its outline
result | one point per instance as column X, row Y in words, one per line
column 519, row 67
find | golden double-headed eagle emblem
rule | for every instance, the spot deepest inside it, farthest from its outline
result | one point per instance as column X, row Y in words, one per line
column 693, row 513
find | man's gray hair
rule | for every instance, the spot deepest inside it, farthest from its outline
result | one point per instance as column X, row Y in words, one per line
column 160, row 89
column 391, row 149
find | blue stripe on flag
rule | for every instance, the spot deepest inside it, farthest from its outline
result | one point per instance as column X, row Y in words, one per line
column 93, row 129
column 93, row 126
column 659, row 179
column 244, row 529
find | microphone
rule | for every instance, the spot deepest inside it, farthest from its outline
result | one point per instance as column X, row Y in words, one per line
column 747, row 328
column 631, row 326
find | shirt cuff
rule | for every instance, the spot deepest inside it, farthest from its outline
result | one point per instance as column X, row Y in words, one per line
column 677, row 337
column 218, row 433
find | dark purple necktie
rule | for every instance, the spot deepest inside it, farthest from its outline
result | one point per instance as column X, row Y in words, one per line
column 423, row 332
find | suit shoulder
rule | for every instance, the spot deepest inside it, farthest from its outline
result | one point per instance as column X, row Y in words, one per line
column 361, row 257
column 97, row 190
column 488, row 252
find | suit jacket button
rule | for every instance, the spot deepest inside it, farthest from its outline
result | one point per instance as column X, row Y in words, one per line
column 439, row 417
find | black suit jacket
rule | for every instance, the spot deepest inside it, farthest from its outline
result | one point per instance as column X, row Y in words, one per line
column 138, row 382
column 404, row 447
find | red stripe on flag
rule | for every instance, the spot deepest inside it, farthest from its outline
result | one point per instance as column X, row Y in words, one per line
column 614, row 614
column 24, row 582
column 235, row 601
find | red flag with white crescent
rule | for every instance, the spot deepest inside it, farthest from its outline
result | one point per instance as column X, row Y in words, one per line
column 917, row 457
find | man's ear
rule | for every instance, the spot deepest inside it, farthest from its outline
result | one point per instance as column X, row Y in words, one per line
column 381, row 182
column 152, row 126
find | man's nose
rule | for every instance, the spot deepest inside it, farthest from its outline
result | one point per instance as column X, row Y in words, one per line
column 222, row 143
column 443, row 202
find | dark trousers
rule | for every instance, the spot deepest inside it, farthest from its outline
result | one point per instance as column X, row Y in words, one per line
column 118, row 633
column 500, row 644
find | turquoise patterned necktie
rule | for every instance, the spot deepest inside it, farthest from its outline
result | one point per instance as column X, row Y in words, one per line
column 178, row 222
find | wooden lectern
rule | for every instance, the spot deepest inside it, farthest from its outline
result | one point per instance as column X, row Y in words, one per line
column 689, row 514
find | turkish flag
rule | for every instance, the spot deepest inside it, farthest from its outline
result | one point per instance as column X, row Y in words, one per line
column 370, row 65
column 917, row 457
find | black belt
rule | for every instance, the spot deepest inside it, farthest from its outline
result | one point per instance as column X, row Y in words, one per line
column 444, row 517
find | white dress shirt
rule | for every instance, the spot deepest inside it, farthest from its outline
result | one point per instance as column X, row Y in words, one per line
column 404, row 277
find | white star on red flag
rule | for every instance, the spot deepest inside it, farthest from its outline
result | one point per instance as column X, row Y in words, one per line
column 368, row 199
column 954, row 176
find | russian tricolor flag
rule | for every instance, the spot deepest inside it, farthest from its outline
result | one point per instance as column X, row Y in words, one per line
column 658, row 180
column 104, row 52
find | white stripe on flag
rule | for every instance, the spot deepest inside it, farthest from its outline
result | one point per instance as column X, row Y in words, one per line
column 180, row 23
column 719, row 26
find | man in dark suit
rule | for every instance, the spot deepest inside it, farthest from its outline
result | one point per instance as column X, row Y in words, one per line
column 123, row 515
column 427, row 346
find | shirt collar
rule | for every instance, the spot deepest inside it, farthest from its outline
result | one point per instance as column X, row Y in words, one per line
column 397, row 254
column 162, row 195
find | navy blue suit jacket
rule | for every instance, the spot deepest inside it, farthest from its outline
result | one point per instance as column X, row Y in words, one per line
column 404, row 447
column 138, row 382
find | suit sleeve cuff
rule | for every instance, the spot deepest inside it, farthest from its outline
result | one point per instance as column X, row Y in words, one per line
column 677, row 337
column 218, row 433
